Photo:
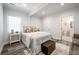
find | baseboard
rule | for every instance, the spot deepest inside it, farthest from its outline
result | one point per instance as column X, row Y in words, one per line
column 1, row 48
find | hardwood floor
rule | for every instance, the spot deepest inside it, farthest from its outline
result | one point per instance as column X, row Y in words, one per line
column 15, row 49
column 19, row 48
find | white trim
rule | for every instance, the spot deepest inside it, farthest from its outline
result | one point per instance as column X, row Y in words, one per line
column 1, row 48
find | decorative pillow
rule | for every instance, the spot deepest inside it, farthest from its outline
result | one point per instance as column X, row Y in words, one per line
column 30, row 29
column 26, row 29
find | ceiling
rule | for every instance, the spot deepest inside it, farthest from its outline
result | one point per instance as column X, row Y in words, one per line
column 30, row 8
column 40, row 9
column 53, row 8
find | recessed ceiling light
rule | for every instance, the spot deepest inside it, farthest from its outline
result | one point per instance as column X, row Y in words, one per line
column 62, row 4
column 24, row 4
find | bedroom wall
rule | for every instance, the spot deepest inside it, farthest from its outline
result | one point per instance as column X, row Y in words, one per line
column 10, row 12
column 1, row 27
column 52, row 23
column 36, row 21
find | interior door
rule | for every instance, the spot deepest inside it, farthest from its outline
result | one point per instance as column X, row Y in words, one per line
column 67, row 27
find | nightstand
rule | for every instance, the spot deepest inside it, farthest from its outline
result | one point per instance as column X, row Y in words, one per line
column 15, row 37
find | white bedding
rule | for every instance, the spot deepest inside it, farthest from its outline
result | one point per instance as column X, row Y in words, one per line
column 33, row 40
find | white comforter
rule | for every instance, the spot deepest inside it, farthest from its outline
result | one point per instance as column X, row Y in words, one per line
column 33, row 40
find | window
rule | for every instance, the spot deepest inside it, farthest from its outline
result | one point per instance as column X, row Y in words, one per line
column 14, row 23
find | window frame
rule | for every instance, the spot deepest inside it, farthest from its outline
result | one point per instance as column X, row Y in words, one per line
column 8, row 23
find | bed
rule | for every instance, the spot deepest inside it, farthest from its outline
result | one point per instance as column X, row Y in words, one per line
column 33, row 40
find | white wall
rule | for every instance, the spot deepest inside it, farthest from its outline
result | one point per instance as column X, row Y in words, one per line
column 36, row 21
column 10, row 12
column 1, row 28
column 52, row 23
